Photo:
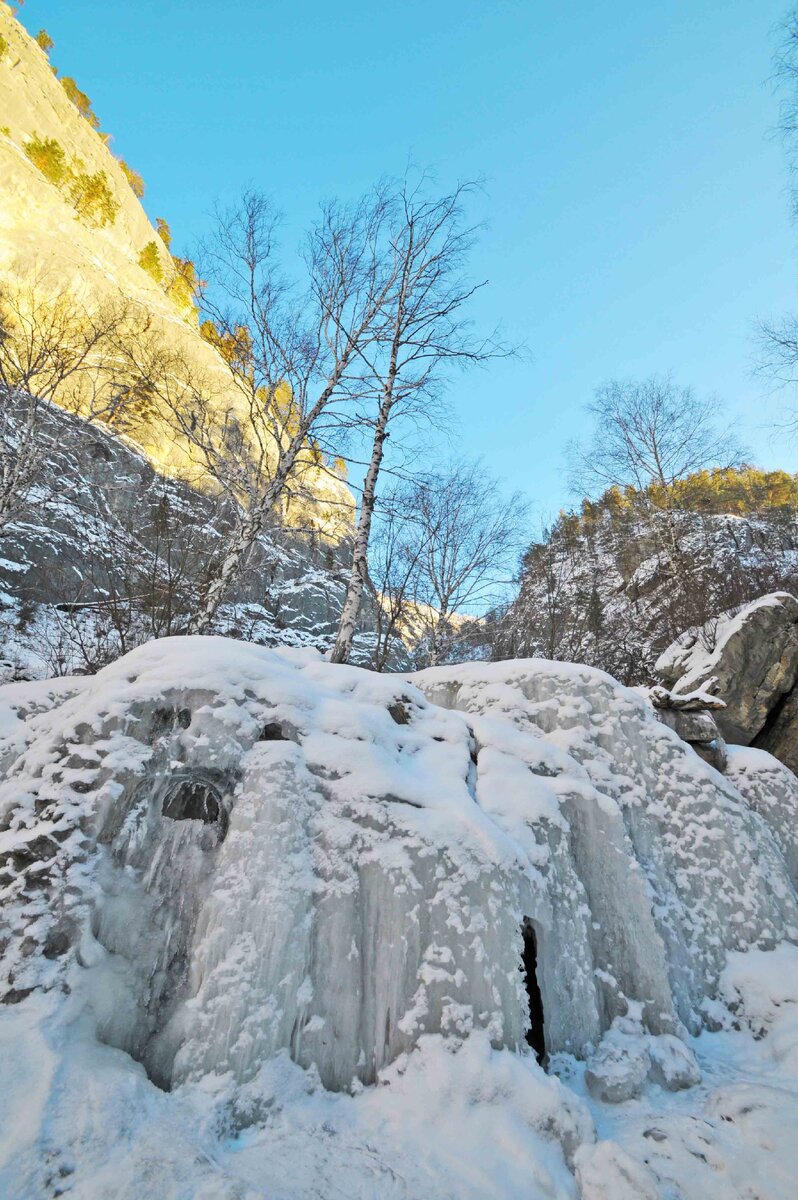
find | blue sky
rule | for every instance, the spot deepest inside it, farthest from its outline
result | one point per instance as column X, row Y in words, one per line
column 637, row 207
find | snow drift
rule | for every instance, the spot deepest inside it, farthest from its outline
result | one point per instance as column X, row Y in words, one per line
column 246, row 870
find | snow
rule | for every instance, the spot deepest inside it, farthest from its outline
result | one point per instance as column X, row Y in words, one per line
column 311, row 985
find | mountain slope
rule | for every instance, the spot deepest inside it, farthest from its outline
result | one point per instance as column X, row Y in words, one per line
column 50, row 244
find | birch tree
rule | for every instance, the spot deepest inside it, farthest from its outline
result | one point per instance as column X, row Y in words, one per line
column 293, row 355
column 425, row 329
column 649, row 435
column 470, row 535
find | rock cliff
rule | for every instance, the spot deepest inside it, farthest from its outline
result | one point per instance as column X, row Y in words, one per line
column 46, row 242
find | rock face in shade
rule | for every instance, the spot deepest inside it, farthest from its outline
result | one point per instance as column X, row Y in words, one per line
column 75, row 544
column 750, row 660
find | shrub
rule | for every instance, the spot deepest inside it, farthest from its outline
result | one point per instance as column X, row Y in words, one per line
column 164, row 232
column 150, row 261
column 184, row 284
column 90, row 195
column 93, row 199
column 133, row 178
column 3, row 47
column 44, row 40
column 80, row 100
column 48, row 155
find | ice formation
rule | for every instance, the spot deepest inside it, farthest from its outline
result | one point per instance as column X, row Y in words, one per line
column 243, row 870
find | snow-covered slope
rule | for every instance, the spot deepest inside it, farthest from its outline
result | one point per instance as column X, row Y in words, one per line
column 243, row 886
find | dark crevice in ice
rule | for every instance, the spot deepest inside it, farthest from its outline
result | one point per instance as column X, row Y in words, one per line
column 534, row 1036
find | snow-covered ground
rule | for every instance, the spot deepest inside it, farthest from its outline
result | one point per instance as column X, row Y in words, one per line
column 264, row 921
column 464, row 1122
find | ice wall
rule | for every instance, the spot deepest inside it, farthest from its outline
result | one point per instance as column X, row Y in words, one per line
column 220, row 852
column 677, row 866
column 270, row 853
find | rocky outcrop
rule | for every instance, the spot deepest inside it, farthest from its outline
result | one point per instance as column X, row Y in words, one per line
column 692, row 716
column 597, row 591
column 750, row 660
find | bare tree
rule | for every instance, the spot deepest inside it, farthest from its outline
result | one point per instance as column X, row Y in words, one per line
column 469, row 535
column 424, row 329
column 778, row 338
column 134, row 576
column 786, row 71
column 778, row 360
column 53, row 348
column 397, row 545
column 293, row 357
column 648, row 435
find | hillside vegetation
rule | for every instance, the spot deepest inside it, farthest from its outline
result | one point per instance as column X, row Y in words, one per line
column 599, row 586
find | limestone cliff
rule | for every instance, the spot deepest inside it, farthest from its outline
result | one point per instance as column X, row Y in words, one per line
column 43, row 235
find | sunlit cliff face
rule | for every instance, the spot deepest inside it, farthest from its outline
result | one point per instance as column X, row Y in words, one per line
column 47, row 248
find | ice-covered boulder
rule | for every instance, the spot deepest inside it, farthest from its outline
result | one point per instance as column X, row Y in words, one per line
column 673, row 1065
column 620, row 1065
column 627, row 1057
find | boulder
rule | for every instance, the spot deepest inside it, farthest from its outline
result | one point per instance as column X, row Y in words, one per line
column 751, row 659
column 673, row 1065
column 618, row 1068
column 692, row 716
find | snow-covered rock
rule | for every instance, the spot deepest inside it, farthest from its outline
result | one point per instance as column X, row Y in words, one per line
column 673, row 1065
column 751, row 656
column 95, row 530
column 620, row 1066
column 627, row 1056
column 692, row 715
column 237, row 880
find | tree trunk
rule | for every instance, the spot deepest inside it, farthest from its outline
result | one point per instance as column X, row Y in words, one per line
column 437, row 640
column 237, row 553
column 359, row 573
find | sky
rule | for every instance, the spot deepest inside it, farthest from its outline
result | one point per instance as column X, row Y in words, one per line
column 636, row 195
